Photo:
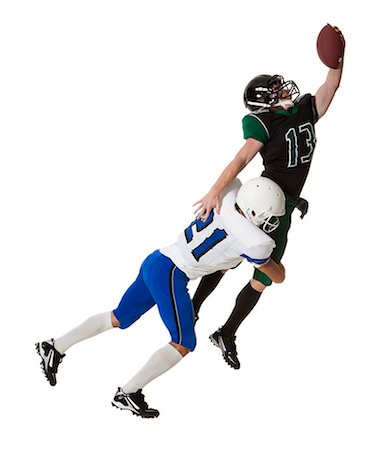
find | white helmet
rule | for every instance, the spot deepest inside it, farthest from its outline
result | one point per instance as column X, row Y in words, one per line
column 262, row 201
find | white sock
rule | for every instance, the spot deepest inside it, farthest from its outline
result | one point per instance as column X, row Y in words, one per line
column 91, row 327
column 161, row 361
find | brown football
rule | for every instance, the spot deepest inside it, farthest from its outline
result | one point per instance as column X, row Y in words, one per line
column 330, row 46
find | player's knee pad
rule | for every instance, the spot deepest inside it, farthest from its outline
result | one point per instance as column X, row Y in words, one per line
column 262, row 278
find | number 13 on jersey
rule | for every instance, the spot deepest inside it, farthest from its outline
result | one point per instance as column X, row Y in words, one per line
column 294, row 150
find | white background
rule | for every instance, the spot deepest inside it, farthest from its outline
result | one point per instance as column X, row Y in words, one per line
column 116, row 117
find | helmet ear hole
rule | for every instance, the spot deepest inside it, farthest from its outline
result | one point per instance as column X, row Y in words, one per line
column 253, row 213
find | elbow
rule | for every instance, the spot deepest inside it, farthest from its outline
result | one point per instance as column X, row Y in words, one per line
column 281, row 275
column 274, row 271
column 279, row 278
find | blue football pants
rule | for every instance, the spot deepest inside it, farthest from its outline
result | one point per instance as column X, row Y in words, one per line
column 160, row 283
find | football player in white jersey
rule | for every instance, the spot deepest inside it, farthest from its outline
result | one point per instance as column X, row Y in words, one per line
column 239, row 232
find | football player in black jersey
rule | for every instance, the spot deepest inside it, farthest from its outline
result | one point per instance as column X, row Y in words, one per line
column 280, row 126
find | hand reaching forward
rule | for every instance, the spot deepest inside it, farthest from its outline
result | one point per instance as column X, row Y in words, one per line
column 207, row 204
column 213, row 198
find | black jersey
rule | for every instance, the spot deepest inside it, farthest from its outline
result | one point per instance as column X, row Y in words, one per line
column 289, row 140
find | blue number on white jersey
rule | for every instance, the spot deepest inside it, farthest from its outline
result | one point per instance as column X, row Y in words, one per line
column 209, row 242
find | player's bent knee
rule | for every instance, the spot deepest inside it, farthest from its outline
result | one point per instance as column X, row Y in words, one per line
column 180, row 348
column 115, row 322
column 257, row 285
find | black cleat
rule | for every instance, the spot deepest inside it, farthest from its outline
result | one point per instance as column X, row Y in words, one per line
column 228, row 348
column 51, row 359
column 134, row 402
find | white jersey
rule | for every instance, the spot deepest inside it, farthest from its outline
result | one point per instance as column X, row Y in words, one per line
column 221, row 242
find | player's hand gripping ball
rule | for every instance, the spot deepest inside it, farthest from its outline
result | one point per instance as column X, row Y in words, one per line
column 330, row 46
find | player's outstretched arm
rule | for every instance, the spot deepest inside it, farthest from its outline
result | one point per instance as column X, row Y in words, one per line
column 212, row 199
column 326, row 92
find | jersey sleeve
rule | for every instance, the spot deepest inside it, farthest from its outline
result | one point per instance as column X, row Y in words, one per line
column 253, row 127
column 259, row 255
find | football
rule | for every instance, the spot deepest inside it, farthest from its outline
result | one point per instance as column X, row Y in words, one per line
column 330, row 46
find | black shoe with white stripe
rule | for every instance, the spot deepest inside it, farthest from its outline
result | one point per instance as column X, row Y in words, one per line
column 228, row 348
column 134, row 402
column 51, row 359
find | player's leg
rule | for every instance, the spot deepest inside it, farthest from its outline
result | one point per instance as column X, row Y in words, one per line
column 175, row 306
column 91, row 327
column 225, row 337
column 205, row 287
column 167, row 284
column 249, row 296
column 245, row 302
column 130, row 396
column 134, row 303
column 52, row 351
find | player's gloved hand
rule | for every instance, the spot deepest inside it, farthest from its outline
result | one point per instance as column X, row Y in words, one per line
column 302, row 205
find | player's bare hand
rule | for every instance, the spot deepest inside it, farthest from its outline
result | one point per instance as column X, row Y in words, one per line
column 341, row 35
column 206, row 205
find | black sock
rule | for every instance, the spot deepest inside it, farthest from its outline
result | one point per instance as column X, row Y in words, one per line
column 205, row 287
column 246, row 301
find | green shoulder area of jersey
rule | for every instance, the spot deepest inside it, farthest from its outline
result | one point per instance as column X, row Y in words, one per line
column 254, row 127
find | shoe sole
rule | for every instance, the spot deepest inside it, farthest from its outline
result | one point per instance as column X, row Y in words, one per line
column 212, row 340
column 133, row 412
column 39, row 351
column 228, row 362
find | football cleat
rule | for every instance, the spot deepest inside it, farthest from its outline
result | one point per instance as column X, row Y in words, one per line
column 228, row 348
column 134, row 402
column 51, row 359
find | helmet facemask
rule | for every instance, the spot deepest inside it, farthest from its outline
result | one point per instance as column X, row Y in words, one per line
column 270, row 224
column 283, row 93
column 264, row 220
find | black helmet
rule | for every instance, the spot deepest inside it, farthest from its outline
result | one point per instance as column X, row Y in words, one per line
column 265, row 91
